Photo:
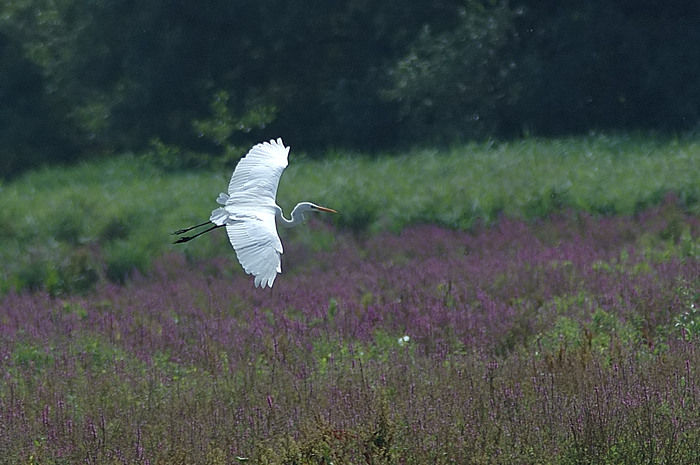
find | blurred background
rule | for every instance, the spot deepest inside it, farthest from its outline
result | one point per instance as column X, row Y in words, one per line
column 189, row 81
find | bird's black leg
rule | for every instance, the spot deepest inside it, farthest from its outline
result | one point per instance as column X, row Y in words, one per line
column 182, row 231
column 189, row 238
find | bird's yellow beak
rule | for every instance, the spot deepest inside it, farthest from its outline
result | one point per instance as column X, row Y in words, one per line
column 324, row 209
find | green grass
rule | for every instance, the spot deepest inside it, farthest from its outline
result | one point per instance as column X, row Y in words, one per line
column 526, row 179
column 66, row 228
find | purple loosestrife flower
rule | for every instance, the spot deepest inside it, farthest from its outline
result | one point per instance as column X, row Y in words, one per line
column 433, row 339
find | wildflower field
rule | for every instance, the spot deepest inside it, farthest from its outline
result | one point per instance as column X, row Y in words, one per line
column 559, row 329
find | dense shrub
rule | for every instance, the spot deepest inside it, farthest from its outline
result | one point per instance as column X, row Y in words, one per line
column 31, row 131
column 352, row 74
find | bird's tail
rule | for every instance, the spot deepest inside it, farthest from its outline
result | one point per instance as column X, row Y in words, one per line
column 222, row 198
column 219, row 216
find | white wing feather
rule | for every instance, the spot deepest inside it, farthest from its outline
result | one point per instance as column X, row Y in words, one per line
column 257, row 245
column 249, row 211
column 257, row 175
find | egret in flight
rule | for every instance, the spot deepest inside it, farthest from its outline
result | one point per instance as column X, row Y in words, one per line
column 249, row 212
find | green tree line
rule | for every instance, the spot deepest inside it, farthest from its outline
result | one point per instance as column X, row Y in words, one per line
column 84, row 77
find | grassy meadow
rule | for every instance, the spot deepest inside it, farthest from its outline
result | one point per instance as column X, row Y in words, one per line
column 523, row 302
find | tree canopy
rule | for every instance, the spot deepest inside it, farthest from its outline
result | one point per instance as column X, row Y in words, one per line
column 85, row 77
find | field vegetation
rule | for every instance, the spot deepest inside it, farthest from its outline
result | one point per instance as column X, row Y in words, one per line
column 66, row 229
column 513, row 276
column 522, row 302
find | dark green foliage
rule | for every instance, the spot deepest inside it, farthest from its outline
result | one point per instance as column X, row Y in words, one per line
column 553, row 68
column 31, row 132
column 461, row 82
column 215, row 76
column 126, row 73
column 604, row 64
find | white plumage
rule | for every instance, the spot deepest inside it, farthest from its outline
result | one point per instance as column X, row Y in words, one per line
column 248, row 211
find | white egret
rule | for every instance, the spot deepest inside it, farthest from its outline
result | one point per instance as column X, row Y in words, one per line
column 249, row 212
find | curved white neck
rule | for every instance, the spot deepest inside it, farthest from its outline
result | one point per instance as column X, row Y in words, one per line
column 297, row 217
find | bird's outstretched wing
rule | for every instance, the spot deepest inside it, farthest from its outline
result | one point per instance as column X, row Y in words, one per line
column 249, row 210
column 255, row 179
column 257, row 245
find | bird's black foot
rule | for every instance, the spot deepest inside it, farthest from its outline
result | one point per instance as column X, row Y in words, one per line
column 182, row 231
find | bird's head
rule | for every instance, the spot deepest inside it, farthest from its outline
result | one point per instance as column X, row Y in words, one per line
column 304, row 207
column 318, row 208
